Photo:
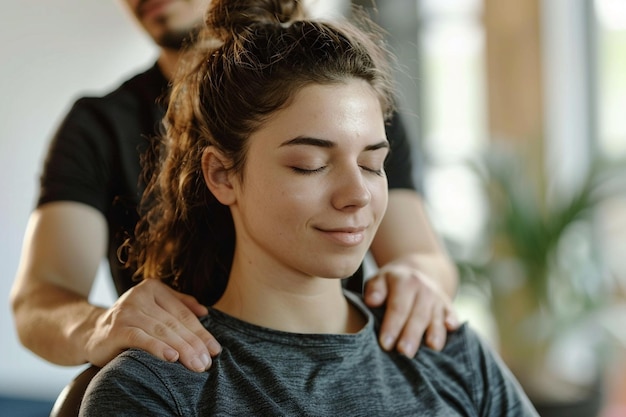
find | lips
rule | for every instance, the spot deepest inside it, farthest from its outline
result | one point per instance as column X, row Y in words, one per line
column 345, row 236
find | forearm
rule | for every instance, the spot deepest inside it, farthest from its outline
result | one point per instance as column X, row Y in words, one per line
column 407, row 236
column 54, row 323
column 63, row 246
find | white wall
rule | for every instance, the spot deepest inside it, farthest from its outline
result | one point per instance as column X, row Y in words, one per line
column 50, row 53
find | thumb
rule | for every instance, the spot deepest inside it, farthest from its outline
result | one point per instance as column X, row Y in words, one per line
column 376, row 290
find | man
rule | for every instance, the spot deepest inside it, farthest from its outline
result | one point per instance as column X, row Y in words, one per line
column 87, row 206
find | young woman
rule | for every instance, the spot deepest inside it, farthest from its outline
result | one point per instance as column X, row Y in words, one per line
column 275, row 143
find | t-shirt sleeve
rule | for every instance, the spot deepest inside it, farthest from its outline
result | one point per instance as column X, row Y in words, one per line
column 77, row 165
column 400, row 166
column 128, row 387
column 495, row 390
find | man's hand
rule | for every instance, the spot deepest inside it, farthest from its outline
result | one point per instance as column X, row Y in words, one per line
column 415, row 307
column 153, row 317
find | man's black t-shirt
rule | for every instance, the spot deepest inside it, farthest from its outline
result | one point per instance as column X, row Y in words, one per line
column 94, row 157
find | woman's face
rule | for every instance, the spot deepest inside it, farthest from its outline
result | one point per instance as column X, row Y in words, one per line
column 314, row 191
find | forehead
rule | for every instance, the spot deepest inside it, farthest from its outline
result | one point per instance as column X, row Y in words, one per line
column 349, row 109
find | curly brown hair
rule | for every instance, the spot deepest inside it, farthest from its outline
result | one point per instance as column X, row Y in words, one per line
column 248, row 62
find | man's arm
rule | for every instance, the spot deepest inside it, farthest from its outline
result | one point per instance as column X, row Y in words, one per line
column 63, row 247
column 416, row 277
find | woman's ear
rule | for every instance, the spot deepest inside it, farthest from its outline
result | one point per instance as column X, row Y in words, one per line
column 217, row 176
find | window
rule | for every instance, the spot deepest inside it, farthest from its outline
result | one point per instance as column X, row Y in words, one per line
column 611, row 129
column 453, row 113
column 611, row 73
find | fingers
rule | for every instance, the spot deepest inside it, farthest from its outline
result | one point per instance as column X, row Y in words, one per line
column 443, row 320
column 154, row 318
column 376, row 291
column 400, row 303
column 186, row 313
column 452, row 320
column 416, row 311
column 165, row 337
column 436, row 331
column 172, row 321
column 192, row 304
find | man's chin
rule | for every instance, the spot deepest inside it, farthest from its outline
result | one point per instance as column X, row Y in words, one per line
column 174, row 41
column 177, row 39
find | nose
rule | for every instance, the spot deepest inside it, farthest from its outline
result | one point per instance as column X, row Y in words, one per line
column 351, row 189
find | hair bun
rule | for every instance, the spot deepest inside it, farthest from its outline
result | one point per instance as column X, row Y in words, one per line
column 227, row 17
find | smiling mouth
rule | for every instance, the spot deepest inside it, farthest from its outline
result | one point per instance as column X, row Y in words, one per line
column 345, row 236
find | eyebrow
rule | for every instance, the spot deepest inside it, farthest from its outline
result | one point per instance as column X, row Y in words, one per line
column 324, row 143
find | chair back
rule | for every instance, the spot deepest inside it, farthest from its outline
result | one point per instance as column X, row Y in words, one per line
column 68, row 402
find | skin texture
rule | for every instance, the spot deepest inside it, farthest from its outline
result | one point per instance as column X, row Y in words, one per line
column 306, row 209
column 65, row 242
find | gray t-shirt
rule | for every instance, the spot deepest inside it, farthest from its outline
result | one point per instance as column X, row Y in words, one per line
column 264, row 372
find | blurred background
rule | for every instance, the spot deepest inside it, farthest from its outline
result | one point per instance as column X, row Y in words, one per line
column 517, row 110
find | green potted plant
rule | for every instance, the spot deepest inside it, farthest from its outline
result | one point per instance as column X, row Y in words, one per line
column 541, row 270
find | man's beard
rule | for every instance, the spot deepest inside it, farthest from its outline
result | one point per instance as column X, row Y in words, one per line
column 177, row 40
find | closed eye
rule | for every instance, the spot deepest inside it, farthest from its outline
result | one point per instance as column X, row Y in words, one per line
column 379, row 172
column 304, row 171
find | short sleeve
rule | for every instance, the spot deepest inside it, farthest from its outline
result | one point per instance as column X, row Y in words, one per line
column 128, row 387
column 495, row 390
column 77, row 166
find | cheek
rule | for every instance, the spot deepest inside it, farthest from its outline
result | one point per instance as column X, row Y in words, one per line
column 290, row 200
column 289, row 207
column 278, row 214
column 276, row 197
column 380, row 197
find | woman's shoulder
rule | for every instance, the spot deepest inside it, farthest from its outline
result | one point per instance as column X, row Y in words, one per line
column 133, row 364
column 135, row 367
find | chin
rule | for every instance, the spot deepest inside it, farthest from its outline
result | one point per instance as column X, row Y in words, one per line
column 176, row 39
column 339, row 271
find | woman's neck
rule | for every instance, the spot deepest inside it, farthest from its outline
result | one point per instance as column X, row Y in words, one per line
column 288, row 303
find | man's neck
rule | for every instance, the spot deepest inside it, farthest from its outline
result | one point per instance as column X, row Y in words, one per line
column 168, row 61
